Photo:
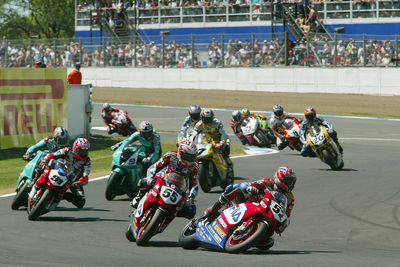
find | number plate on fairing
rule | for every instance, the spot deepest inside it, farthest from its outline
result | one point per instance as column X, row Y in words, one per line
column 278, row 211
column 170, row 196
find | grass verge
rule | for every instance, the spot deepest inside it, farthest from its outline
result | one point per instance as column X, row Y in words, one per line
column 11, row 163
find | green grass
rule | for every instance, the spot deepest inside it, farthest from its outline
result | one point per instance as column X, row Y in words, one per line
column 11, row 163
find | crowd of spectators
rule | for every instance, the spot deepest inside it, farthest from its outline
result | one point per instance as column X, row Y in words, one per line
column 234, row 53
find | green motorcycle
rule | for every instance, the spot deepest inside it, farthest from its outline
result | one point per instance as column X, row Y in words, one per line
column 26, row 178
column 127, row 169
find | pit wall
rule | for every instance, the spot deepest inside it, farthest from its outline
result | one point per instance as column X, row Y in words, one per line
column 373, row 81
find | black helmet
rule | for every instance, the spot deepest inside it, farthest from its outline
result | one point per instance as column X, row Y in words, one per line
column 207, row 115
column 61, row 136
column 278, row 110
column 106, row 107
column 236, row 115
column 194, row 112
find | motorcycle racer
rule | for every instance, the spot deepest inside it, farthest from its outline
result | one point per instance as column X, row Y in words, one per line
column 311, row 117
column 283, row 182
column 181, row 161
column 276, row 123
column 78, row 164
column 213, row 129
column 109, row 115
column 236, row 123
column 148, row 138
column 189, row 122
column 51, row 143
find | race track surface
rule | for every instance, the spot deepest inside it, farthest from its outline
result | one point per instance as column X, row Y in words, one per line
column 341, row 218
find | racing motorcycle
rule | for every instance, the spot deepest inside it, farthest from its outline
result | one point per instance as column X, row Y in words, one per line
column 122, row 124
column 158, row 207
column 26, row 179
column 324, row 147
column 213, row 169
column 240, row 227
column 126, row 170
column 291, row 132
column 49, row 196
column 254, row 134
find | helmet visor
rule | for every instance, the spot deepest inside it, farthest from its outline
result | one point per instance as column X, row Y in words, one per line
column 310, row 116
column 195, row 116
column 188, row 157
column 82, row 152
column 62, row 140
column 278, row 113
column 207, row 120
column 289, row 182
column 146, row 135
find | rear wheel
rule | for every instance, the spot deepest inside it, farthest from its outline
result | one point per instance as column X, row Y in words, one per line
column 204, row 181
column 112, row 183
column 187, row 237
column 230, row 176
column 150, row 228
column 263, row 139
column 238, row 244
column 21, row 198
column 39, row 207
column 329, row 159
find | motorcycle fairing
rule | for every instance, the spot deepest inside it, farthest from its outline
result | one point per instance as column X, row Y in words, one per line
column 29, row 169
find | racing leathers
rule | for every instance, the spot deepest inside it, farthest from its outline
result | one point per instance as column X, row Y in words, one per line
column 237, row 130
column 214, row 131
column 47, row 143
column 249, row 192
column 170, row 162
column 307, row 151
column 108, row 118
column 187, row 125
column 277, row 125
column 77, row 166
column 152, row 147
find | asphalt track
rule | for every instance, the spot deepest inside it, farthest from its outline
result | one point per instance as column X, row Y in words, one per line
column 341, row 218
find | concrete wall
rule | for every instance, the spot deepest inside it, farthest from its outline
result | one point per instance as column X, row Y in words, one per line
column 376, row 81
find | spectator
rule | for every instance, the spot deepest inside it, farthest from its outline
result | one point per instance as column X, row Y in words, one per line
column 75, row 76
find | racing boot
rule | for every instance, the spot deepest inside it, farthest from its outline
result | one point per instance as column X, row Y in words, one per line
column 282, row 145
column 213, row 212
column 76, row 196
column 136, row 200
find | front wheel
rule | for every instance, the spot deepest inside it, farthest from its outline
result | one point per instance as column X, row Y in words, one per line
column 329, row 159
column 238, row 244
column 39, row 207
column 150, row 228
column 204, row 180
column 112, row 183
column 128, row 233
column 263, row 139
column 187, row 237
column 21, row 198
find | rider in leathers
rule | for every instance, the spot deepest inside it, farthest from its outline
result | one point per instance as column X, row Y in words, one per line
column 181, row 161
column 283, row 182
column 310, row 118
column 236, row 123
column 78, row 164
column 189, row 122
column 276, row 123
column 213, row 129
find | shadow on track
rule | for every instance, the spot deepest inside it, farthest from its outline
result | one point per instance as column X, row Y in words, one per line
column 73, row 219
column 163, row 244
column 290, row 252
column 341, row 170
column 77, row 209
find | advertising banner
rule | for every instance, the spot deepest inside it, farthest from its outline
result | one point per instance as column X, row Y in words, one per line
column 32, row 103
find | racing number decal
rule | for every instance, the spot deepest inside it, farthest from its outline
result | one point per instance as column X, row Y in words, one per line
column 278, row 212
column 56, row 179
column 171, row 194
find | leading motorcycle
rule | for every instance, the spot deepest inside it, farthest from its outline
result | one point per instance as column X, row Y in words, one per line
column 122, row 124
column 324, row 147
column 158, row 207
column 238, row 228
column 49, row 196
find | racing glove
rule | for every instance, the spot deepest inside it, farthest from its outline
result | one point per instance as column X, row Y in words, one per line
column 146, row 161
column 26, row 156
column 115, row 147
column 220, row 145
column 252, row 190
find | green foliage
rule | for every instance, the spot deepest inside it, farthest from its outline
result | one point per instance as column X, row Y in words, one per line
column 23, row 19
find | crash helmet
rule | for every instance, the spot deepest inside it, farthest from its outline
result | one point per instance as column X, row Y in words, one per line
column 236, row 116
column 310, row 113
column 187, row 152
column 278, row 110
column 80, row 148
column 284, row 179
column 146, row 130
column 194, row 112
column 207, row 116
column 245, row 112
column 106, row 108
column 61, row 136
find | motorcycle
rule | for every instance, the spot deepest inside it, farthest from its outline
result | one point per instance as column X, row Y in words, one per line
column 48, row 197
column 26, row 179
column 291, row 132
column 213, row 169
column 158, row 207
column 122, row 124
column 238, row 228
column 126, row 170
column 324, row 147
column 254, row 133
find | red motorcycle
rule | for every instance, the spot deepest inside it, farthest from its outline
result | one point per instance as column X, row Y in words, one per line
column 122, row 124
column 291, row 132
column 49, row 196
column 236, row 229
column 158, row 207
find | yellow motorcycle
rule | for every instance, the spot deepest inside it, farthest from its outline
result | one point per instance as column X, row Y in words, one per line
column 213, row 169
column 324, row 147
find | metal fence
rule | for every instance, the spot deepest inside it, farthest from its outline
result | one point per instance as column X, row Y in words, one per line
column 206, row 51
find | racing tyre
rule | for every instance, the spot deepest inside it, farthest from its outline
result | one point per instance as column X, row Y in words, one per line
column 150, row 228
column 230, row 176
column 329, row 159
column 204, row 181
column 112, row 182
column 242, row 243
column 21, row 198
column 128, row 233
column 39, row 207
column 187, row 237
column 264, row 141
